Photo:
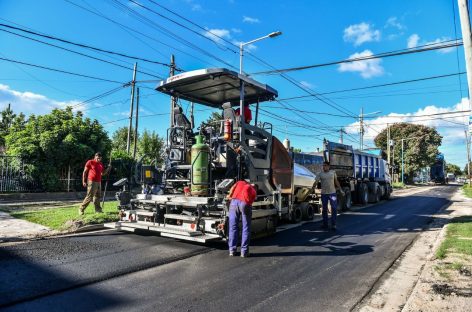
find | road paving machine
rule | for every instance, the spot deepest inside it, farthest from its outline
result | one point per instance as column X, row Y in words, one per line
column 186, row 198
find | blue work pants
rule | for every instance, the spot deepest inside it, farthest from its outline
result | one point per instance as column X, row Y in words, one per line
column 334, row 205
column 239, row 210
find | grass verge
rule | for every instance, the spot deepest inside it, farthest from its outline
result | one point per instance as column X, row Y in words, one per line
column 467, row 190
column 57, row 218
column 458, row 238
column 398, row 185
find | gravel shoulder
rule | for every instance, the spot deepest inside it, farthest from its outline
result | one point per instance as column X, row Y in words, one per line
column 418, row 281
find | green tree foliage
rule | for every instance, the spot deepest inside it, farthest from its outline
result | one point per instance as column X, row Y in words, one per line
column 7, row 118
column 420, row 147
column 466, row 169
column 455, row 169
column 120, row 139
column 150, row 147
column 50, row 143
column 297, row 150
column 213, row 121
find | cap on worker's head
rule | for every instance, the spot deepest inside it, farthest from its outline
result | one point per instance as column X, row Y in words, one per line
column 98, row 154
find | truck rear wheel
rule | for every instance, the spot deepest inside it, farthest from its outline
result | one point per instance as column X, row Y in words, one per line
column 387, row 192
column 378, row 194
column 308, row 211
column 347, row 198
column 363, row 194
column 296, row 215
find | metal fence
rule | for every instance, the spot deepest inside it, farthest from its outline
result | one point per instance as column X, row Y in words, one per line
column 13, row 177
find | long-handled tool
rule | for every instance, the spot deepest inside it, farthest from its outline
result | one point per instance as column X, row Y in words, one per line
column 106, row 183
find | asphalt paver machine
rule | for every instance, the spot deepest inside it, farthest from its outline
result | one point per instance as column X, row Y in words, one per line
column 186, row 198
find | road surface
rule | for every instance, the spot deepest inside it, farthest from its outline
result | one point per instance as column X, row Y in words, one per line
column 300, row 269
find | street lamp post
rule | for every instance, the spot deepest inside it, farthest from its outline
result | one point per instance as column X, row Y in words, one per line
column 361, row 126
column 241, row 82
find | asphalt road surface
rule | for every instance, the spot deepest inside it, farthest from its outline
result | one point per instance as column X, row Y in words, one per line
column 300, row 269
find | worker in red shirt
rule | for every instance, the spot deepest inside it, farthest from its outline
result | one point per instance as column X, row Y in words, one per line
column 247, row 113
column 92, row 180
column 242, row 195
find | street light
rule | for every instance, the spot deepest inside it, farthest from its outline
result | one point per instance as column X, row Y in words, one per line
column 241, row 81
column 242, row 44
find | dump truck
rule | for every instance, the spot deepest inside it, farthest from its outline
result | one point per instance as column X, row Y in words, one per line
column 438, row 170
column 186, row 198
column 364, row 177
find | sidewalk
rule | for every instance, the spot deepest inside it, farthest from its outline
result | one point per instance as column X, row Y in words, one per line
column 12, row 229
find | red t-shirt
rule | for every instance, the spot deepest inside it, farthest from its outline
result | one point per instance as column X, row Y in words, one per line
column 95, row 169
column 247, row 114
column 244, row 191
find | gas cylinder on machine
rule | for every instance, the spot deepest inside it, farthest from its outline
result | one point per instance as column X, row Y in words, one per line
column 200, row 167
column 228, row 130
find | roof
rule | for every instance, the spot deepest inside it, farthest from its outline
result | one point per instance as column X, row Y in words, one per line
column 215, row 86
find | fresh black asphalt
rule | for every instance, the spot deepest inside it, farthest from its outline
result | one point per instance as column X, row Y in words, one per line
column 300, row 269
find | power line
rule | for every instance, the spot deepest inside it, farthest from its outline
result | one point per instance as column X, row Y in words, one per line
column 58, row 70
column 424, row 48
column 83, row 45
column 377, row 86
column 79, row 53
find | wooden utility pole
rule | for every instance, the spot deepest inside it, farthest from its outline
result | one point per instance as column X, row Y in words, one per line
column 173, row 100
column 136, row 125
column 133, row 84
column 467, row 41
column 341, row 131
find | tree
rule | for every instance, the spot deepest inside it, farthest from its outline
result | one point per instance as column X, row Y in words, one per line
column 297, row 150
column 420, row 146
column 54, row 143
column 120, row 139
column 455, row 169
column 6, row 122
column 213, row 121
column 150, row 147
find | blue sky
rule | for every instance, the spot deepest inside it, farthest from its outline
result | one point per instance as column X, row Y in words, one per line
column 314, row 32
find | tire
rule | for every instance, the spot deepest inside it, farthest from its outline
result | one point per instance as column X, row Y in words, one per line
column 341, row 202
column 387, row 192
column 378, row 195
column 308, row 211
column 347, row 198
column 363, row 194
column 296, row 215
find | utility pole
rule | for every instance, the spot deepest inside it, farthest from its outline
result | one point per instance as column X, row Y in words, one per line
column 136, row 125
column 467, row 41
column 173, row 100
column 402, row 161
column 388, row 144
column 341, row 131
column 133, row 84
column 361, row 129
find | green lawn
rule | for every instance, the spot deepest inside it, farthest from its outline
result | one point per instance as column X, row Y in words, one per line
column 398, row 185
column 56, row 218
column 467, row 190
column 458, row 238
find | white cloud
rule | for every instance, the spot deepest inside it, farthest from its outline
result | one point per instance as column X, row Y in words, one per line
column 306, row 84
column 29, row 102
column 236, row 30
column 412, row 41
column 367, row 68
column 360, row 33
column 194, row 6
column 251, row 20
column 218, row 35
column 450, row 128
column 393, row 22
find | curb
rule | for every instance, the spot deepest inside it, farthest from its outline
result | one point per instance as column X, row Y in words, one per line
column 89, row 228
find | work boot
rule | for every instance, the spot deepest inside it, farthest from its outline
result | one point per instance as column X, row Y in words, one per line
column 245, row 255
column 81, row 212
column 231, row 253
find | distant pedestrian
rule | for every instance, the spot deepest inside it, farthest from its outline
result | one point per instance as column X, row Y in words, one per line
column 242, row 196
column 329, row 184
column 92, row 180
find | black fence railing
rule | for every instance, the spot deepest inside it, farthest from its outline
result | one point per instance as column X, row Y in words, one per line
column 13, row 176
